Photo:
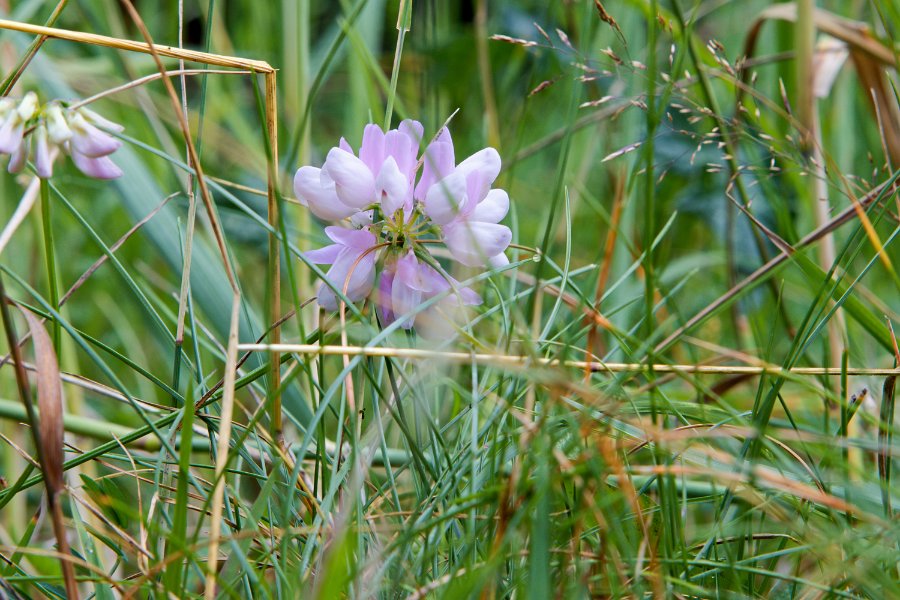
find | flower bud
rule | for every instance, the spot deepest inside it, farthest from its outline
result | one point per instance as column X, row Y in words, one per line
column 57, row 126
column 28, row 107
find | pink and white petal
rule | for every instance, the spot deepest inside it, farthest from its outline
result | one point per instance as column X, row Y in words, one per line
column 472, row 243
column 11, row 133
column 57, row 126
column 485, row 161
column 101, row 167
column 90, row 140
column 383, row 297
column 446, row 199
column 500, row 260
column 400, row 147
column 360, row 270
column 413, row 273
column 358, row 239
column 28, row 106
column 406, row 290
column 322, row 201
column 43, row 163
column 392, row 186
column 362, row 218
column 345, row 146
column 353, row 181
column 371, row 151
column 361, row 279
column 413, row 130
column 493, row 208
column 326, row 255
column 438, row 283
column 437, row 163
column 19, row 158
column 326, row 298
column 101, row 121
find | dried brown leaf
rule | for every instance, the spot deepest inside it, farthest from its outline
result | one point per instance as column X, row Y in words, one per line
column 50, row 407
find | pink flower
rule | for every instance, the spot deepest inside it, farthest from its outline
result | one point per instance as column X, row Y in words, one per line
column 349, row 246
column 90, row 146
column 407, row 282
column 382, row 174
column 12, row 131
column 376, row 190
column 321, row 198
column 461, row 201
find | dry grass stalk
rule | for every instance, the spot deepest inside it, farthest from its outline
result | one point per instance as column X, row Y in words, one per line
column 94, row 39
column 507, row 360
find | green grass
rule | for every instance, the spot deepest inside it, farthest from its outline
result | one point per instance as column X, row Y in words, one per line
column 641, row 192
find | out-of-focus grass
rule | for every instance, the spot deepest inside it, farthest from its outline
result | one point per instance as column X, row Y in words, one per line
column 470, row 479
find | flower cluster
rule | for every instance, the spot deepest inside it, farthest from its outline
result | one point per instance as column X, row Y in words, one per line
column 80, row 132
column 394, row 213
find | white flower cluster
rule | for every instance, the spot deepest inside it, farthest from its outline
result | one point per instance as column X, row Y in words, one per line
column 28, row 129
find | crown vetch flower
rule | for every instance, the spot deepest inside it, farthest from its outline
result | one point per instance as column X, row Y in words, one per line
column 393, row 220
column 81, row 132
column 12, row 131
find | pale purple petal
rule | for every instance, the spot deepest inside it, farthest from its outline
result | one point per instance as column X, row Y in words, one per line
column 392, row 186
column 402, row 149
column 472, row 243
column 436, row 164
column 362, row 218
column 446, row 198
column 361, row 274
column 345, row 146
column 383, row 297
column 493, row 208
column 99, row 168
column 11, row 133
column 371, row 152
column 358, row 239
column 19, row 158
column 500, row 260
column 413, row 130
column 407, row 288
column 43, row 163
column 322, row 201
column 101, row 121
column 326, row 255
column 353, row 181
column 480, row 170
column 438, row 283
column 326, row 298
column 90, row 140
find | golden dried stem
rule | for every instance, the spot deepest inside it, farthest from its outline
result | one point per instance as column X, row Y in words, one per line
column 142, row 47
column 274, row 253
column 528, row 361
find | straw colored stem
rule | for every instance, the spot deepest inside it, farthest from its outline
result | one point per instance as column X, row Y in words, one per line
column 274, row 252
column 528, row 361
column 142, row 47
